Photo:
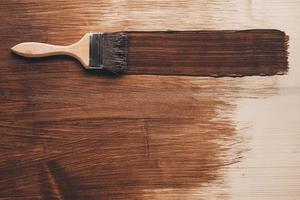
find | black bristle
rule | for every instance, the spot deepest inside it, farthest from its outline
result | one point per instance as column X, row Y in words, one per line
column 108, row 51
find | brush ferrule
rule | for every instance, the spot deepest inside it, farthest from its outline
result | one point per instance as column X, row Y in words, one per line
column 96, row 51
column 108, row 51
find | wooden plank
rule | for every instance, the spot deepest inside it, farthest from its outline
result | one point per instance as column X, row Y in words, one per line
column 69, row 134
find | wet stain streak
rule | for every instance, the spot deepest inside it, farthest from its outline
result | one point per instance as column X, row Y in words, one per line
column 208, row 53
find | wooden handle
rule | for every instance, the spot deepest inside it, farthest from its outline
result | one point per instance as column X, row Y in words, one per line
column 36, row 49
column 79, row 50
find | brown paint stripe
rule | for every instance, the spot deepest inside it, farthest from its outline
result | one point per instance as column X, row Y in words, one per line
column 208, row 53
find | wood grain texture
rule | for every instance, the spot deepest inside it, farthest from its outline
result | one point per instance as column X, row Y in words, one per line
column 69, row 134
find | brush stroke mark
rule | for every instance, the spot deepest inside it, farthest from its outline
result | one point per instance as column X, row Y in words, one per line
column 208, row 53
column 96, row 151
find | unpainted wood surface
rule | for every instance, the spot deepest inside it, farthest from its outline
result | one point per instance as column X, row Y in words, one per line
column 69, row 134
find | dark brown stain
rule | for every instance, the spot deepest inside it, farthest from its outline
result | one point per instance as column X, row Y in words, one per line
column 208, row 53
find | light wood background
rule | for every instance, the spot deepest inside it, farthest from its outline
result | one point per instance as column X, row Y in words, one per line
column 69, row 134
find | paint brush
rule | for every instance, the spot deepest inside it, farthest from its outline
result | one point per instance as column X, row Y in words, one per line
column 198, row 53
